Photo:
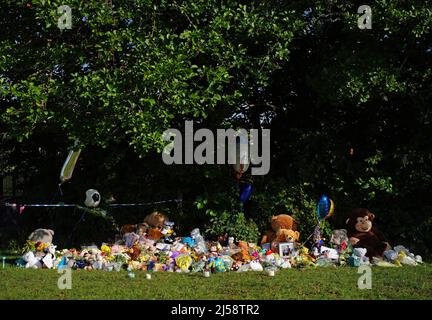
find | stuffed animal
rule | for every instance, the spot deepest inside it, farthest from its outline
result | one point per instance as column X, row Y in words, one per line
column 128, row 228
column 339, row 237
column 241, row 256
column 243, row 245
column 282, row 221
column 31, row 260
column 142, row 228
column 155, row 219
column 42, row 235
column 183, row 261
column 287, row 235
column 363, row 234
column 168, row 231
column 358, row 257
column 134, row 252
column 155, row 234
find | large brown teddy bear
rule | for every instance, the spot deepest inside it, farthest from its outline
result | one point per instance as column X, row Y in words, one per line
column 155, row 219
column 281, row 221
column 154, row 223
column 362, row 233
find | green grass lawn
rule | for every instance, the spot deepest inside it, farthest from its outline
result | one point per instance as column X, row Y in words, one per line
column 320, row 283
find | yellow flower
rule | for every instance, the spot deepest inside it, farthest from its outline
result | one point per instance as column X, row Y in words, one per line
column 106, row 249
column 42, row 246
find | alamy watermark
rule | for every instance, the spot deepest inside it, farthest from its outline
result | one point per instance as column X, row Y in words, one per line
column 365, row 20
column 65, row 20
column 243, row 147
column 365, row 280
column 65, row 281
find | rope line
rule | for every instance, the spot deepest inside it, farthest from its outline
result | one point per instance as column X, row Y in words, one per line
column 45, row 205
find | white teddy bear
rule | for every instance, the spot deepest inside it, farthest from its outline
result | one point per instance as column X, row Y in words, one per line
column 31, row 261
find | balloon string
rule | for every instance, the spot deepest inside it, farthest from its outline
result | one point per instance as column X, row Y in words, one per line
column 307, row 239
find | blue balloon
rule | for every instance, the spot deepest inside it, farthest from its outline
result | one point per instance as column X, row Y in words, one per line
column 245, row 192
column 323, row 207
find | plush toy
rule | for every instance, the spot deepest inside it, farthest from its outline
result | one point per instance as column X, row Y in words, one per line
column 236, row 266
column 401, row 256
column 142, row 228
column 134, row 252
column 339, row 237
column 241, row 256
column 358, row 257
column 287, row 235
column 31, row 260
column 155, row 234
column 188, row 241
column 128, row 228
column 243, row 245
column 168, row 232
column 362, row 233
column 282, row 221
column 183, row 261
column 90, row 257
column 42, row 235
column 156, row 219
column 220, row 265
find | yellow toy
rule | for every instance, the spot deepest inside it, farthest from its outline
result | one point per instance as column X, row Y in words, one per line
column 183, row 261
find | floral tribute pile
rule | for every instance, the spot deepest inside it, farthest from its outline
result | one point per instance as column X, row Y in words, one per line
column 163, row 251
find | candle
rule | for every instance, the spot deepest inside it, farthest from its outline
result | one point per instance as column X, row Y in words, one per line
column 271, row 273
column 131, row 275
column 206, row 273
column 148, row 276
column 4, row 262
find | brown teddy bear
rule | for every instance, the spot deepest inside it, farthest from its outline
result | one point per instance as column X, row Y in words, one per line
column 140, row 228
column 128, row 228
column 155, row 234
column 241, row 256
column 287, row 235
column 281, row 221
column 363, row 234
column 155, row 219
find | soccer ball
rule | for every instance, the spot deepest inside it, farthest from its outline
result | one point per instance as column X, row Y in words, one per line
column 93, row 198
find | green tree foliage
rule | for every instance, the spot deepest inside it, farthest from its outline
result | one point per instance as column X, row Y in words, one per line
column 349, row 109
